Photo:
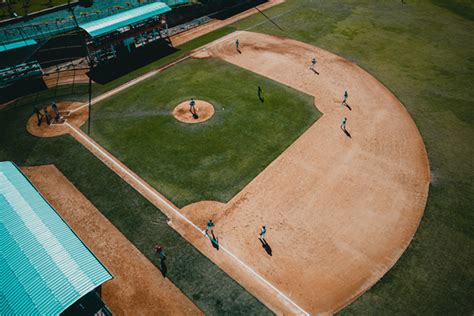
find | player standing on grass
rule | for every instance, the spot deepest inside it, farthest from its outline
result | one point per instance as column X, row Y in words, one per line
column 260, row 93
column 159, row 250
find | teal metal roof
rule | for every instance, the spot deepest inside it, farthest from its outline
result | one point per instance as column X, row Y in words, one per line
column 18, row 44
column 44, row 266
column 117, row 21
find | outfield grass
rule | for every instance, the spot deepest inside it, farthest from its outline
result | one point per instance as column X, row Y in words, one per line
column 213, row 160
column 424, row 52
column 211, row 289
column 34, row 6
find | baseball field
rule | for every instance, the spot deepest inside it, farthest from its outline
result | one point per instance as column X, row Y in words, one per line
column 370, row 217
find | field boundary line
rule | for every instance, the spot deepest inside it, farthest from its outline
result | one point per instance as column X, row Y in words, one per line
column 108, row 159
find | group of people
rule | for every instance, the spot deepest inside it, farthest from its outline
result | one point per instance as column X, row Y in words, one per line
column 57, row 115
column 344, row 101
column 210, row 227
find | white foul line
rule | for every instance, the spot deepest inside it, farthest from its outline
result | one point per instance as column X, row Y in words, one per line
column 150, row 74
column 172, row 208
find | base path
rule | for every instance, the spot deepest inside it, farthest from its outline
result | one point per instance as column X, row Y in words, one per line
column 340, row 207
column 138, row 287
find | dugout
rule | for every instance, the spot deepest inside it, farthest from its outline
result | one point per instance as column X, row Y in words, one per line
column 120, row 34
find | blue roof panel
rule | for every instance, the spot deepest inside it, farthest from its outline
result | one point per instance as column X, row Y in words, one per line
column 19, row 44
column 117, row 21
column 45, row 267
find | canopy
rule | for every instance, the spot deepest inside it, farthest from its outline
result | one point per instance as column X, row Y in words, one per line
column 117, row 21
column 44, row 266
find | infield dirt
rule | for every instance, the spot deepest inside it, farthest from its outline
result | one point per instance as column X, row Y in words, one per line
column 340, row 207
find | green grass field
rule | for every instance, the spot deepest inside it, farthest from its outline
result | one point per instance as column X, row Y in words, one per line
column 212, row 290
column 213, row 160
column 421, row 50
column 33, row 6
column 424, row 52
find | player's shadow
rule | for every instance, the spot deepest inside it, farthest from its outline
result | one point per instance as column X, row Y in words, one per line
column 163, row 267
column 214, row 240
column 346, row 132
column 315, row 71
column 239, row 51
column 266, row 246
column 347, row 106
column 261, row 98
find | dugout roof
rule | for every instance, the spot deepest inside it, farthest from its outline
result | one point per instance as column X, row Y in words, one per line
column 44, row 266
column 117, row 21
column 15, row 45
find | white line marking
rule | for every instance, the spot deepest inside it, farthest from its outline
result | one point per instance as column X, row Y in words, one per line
column 141, row 182
column 150, row 74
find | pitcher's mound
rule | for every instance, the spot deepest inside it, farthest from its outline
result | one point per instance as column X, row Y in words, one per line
column 204, row 111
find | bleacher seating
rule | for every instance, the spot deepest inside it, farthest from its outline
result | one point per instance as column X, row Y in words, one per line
column 57, row 22
column 22, row 71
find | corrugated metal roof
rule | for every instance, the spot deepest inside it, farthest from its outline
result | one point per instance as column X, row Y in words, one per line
column 19, row 44
column 44, row 266
column 117, row 21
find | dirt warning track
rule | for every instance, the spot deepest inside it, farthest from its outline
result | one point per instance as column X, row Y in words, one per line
column 340, row 207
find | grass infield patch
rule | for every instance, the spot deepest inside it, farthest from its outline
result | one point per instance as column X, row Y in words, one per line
column 212, row 160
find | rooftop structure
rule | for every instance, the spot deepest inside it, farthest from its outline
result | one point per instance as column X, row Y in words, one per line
column 112, row 23
column 45, row 268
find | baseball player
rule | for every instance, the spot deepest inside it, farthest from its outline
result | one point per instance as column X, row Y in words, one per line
column 343, row 124
column 237, row 44
column 263, row 232
column 192, row 105
column 57, row 116
column 210, row 226
column 313, row 63
column 260, row 93
column 47, row 115
column 159, row 250
column 39, row 116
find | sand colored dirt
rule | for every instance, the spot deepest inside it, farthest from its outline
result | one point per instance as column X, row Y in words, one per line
column 204, row 110
column 138, row 288
column 76, row 118
column 66, row 77
column 340, row 210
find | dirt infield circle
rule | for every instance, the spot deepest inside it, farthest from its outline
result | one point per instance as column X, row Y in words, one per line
column 204, row 110
column 77, row 118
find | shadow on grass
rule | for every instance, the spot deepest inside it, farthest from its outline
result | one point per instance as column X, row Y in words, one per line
column 129, row 62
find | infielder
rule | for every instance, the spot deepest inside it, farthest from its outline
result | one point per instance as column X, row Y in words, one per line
column 343, row 124
column 263, row 232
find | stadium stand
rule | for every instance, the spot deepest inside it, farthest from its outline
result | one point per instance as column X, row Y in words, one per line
column 60, row 35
